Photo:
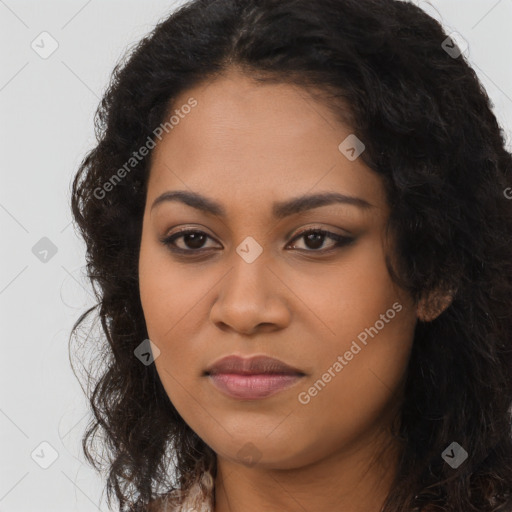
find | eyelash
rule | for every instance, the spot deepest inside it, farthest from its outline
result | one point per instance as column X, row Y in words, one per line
column 340, row 240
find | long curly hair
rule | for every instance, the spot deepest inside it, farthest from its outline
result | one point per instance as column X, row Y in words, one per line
column 430, row 133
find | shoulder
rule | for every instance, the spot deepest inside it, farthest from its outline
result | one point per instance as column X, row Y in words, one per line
column 163, row 504
column 176, row 502
column 198, row 497
column 156, row 505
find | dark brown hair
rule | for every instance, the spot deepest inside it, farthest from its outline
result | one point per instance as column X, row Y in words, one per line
column 430, row 134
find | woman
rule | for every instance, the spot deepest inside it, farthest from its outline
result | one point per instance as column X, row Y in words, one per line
column 297, row 222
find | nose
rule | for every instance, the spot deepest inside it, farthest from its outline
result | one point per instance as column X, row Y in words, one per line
column 251, row 298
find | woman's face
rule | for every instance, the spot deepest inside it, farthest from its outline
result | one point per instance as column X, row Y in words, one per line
column 247, row 284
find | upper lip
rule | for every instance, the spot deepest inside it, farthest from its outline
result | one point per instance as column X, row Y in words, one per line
column 251, row 366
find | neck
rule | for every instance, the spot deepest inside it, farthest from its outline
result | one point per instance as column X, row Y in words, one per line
column 355, row 480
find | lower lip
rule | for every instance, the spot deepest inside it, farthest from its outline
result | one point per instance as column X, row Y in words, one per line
column 252, row 387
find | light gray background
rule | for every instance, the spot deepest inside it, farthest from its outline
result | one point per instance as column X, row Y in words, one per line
column 46, row 112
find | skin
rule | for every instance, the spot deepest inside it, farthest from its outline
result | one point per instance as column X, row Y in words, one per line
column 247, row 145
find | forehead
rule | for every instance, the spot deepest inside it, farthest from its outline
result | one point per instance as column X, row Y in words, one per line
column 254, row 141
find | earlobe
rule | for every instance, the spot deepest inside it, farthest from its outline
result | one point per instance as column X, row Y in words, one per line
column 430, row 307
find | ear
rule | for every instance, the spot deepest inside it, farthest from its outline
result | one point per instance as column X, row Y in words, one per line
column 431, row 306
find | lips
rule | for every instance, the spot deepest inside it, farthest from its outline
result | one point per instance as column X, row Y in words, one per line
column 253, row 378
column 255, row 365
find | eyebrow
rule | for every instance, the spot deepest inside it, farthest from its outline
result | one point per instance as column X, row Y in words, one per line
column 280, row 209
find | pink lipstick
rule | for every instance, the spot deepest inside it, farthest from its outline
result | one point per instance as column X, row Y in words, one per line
column 252, row 378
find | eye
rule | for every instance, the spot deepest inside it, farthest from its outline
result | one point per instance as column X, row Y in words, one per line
column 314, row 238
column 192, row 238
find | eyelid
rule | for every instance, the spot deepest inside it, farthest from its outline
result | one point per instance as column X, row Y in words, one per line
column 290, row 235
column 317, row 227
column 339, row 240
column 168, row 239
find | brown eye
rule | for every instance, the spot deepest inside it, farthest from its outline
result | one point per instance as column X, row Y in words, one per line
column 193, row 241
column 315, row 238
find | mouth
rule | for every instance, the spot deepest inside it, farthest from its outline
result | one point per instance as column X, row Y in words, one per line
column 252, row 378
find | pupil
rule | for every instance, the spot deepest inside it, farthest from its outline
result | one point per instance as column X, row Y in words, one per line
column 197, row 240
column 315, row 238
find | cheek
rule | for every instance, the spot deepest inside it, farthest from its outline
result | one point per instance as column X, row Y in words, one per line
column 169, row 296
column 175, row 305
column 354, row 384
column 358, row 382
column 343, row 298
column 369, row 323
